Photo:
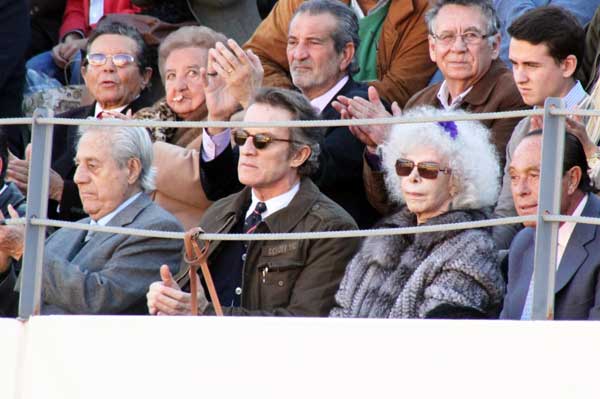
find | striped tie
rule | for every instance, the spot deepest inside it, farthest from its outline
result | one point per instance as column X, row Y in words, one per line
column 254, row 218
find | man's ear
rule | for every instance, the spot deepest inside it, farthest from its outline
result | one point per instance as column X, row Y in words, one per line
column 431, row 41
column 568, row 66
column 574, row 176
column 134, row 169
column 83, row 72
column 347, row 56
column 146, row 76
column 497, row 40
column 300, row 156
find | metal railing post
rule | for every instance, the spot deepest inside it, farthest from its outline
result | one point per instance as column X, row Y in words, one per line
column 37, row 206
column 546, row 234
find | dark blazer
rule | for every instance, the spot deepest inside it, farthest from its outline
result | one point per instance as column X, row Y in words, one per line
column 340, row 167
column 64, row 146
column 111, row 273
column 14, row 41
column 577, row 288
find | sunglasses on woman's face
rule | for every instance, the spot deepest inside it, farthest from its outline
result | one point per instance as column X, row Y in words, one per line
column 427, row 170
column 120, row 60
column 260, row 140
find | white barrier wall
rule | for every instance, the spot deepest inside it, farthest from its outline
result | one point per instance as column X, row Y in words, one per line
column 11, row 355
column 144, row 357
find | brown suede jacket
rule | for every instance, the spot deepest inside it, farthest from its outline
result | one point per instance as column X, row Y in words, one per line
column 403, row 63
column 285, row 278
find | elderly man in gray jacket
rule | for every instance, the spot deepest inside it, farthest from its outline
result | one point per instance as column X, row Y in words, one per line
column 100, row 273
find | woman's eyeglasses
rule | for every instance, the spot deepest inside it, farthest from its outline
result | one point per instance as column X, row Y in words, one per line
column 260, row 140
column 427, row 170
column 120, row 60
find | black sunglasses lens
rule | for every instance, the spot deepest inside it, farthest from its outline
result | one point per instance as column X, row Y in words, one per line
column 239, row 137
column 260, row 141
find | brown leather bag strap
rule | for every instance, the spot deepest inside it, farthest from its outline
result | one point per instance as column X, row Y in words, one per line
column 197, row 257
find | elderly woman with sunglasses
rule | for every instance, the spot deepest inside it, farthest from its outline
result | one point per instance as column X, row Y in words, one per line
column 439, row 173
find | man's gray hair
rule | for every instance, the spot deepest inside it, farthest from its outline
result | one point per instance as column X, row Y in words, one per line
column 470, row 154
column 346, row 30
column 128, row 143
column 485, row 6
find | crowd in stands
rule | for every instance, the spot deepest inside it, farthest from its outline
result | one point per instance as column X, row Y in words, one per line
column 294, row 60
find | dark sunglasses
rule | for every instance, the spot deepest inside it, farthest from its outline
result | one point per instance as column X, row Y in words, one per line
column 427, row 170
column 120, row 60
column 260, row 140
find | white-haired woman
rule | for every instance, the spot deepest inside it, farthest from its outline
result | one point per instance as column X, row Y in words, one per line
column 440, row 173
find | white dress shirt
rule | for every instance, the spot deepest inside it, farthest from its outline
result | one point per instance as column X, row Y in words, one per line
column 274, row 204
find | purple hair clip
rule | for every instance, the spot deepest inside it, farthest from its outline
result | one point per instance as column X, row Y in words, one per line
column 450, row 128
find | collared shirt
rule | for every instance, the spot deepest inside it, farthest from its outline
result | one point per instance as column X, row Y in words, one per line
column 359, row 12
column 214, row 145
column 319, row 103
column 96, row 11
column 103, row 221
column 99, row 109
column 444, row 94
column 566, row 230
column 274, row 204
column 575, row 96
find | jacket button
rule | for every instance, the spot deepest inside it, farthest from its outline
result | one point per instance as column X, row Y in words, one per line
column 243, row 257
column 280, row 283
column 238, row 291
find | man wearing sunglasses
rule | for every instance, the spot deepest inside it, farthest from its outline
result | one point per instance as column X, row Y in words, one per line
column 277, row 278
column 116, row 72
column 321, row 53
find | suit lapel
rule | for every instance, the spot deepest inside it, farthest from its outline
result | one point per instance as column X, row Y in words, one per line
column 329, row 112
column 122, row 219
column 575, row 254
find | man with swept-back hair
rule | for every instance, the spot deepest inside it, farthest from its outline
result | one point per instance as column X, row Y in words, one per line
column 92, row 272
column 577, row 286
column 322, row 46
column 393, row 55
column 269, row 278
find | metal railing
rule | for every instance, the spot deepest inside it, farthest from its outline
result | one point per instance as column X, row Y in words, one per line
column 547, row 217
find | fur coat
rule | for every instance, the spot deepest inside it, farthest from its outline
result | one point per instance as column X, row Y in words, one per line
column 449, row 274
